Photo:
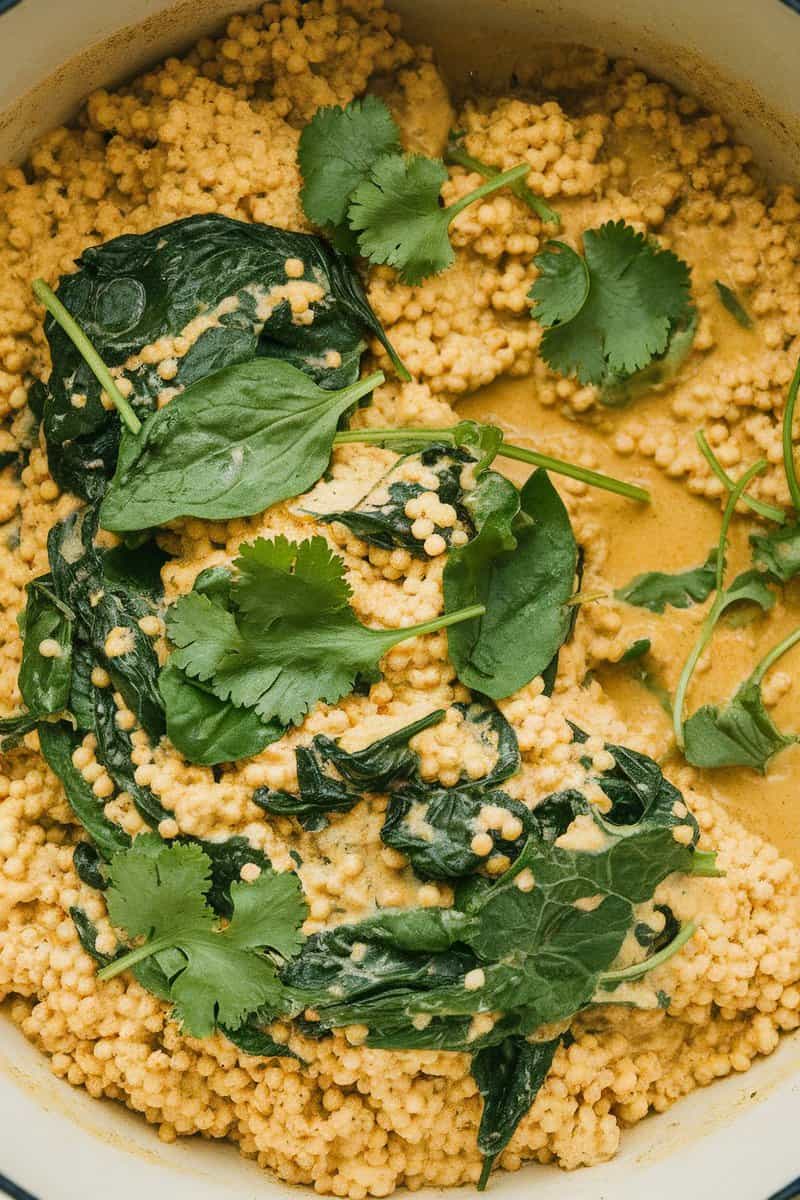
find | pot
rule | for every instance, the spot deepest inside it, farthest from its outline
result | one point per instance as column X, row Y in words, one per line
column 740, row 56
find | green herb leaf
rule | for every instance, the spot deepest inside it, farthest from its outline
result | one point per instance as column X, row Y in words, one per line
column 609, row 314
column 509, row 1077
column 398, row 217
column 58, row 743
column 336, row 152
column 231, row 445
column 657, row 589
column 741, row 733
column 295, row 639
column 523, row 572
column 219, row 974
column 733, row 304
column 777, row 553
column 207, row 730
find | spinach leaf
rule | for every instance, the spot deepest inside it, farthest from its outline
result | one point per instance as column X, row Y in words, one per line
column 100, row 605
column 136, row 289
column 137, row 568
column 114, row 749
column 87, row 935
column 13, row 729
column 509, row 1077
column 374, row 768
column 58, row 743
column 380, row 517
column 530, row 951
column 207, row 730
column 741, row 733
column 656, row 589
column 45, row 679
column 525, row 589
column 492, row 730
column 318, row 794
column 637, row 649
column 251, row 1039
column 435, row 827
column 381, row 763
column 777, row 553
column 232, row 444
column 90, row 866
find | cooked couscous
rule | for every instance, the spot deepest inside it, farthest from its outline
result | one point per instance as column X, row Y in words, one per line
column 216, row 132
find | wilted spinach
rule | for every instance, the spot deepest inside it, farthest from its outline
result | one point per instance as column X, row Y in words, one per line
column 372, row 769
column 509, row 1077
column 139, row 288
column 521, row 566
column 380, row 517
column 45, row 679
column 207, row 730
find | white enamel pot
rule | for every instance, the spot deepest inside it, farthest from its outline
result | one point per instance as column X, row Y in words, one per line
column 739, row 1139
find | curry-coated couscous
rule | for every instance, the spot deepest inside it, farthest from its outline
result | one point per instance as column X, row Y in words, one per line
column 389, row 906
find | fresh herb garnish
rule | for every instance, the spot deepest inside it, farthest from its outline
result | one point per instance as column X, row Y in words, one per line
column 759, row 506
column 749, row 586
column 290, row 637
column 741, row 733
column 376, row 201
column 657, row 589
column 609, row 313
column 216, row 974
column 231, row 445
column 398, row 217
column 733, row 304
column 788, row 443
column 456, row 154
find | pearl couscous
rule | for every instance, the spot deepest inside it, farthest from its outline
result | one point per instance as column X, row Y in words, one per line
column 216, row 131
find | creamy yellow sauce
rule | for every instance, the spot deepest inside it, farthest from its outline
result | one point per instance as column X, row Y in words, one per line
column 674, row 532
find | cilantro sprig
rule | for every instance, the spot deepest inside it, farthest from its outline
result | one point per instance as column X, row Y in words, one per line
column 378, row 202
column 216, row 974
column 609, row 312
column 287, row 637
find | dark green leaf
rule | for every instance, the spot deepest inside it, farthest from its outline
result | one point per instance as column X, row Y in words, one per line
column 434, row 827
column 740, row 733
column 656, row 589
column 777, row 553
column 733, row 304
column 637, row 649
column 525, row 591
column 233, row 444
column 382, row 762
column 90, row 866
column 251, row 1038
column 207, row 730
column 509, row 1077
column 44, row 680
column 58, row 743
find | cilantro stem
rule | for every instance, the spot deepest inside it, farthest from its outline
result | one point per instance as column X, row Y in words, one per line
column 558, row 466
column 593, row 478
column 707, row 628
column 394, row 636
column 788, row 448
column 46, row 296
column 773, row 655
column 761, row 507
column 504, row 179
column 133, row 957
column 459, row 157
column 638, row 970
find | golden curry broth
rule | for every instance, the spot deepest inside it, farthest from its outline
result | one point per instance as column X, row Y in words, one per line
column 675, row 532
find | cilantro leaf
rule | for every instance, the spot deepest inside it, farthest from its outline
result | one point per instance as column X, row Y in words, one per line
column 657, row 589
column 777, row 552
column 336, row 152
column 399, row 219
column 216, row 975
column 636, row 296
column 741, row 733
column 293, row 639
